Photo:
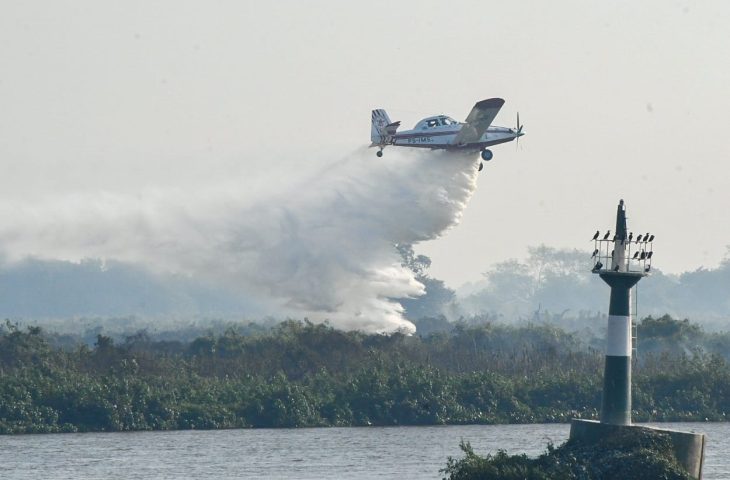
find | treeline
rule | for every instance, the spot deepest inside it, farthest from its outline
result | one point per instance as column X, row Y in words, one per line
column 300, row 374
column 551, row 284
column 558, row 283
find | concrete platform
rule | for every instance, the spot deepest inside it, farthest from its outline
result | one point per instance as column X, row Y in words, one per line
column 689, row 448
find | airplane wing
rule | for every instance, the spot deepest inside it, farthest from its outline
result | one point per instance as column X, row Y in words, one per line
column 479, row 119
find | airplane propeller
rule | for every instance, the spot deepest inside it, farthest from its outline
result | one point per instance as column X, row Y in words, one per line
column 518, row 130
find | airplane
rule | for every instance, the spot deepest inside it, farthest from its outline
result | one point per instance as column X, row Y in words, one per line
column 442, row 132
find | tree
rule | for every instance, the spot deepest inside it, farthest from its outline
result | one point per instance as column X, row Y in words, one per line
column 437, row 297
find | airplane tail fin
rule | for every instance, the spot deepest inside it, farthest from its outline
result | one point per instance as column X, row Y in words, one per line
column 382, row 128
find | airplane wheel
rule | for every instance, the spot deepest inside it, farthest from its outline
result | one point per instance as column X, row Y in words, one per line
column 379, row 154
column 487, row 155
column 481, row 166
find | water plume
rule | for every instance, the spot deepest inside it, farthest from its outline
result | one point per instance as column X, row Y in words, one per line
column 322, row 246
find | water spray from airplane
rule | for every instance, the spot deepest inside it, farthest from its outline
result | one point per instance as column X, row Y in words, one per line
column 322, row 248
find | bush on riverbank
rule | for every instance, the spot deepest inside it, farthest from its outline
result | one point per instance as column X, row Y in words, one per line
column 629, row 455
column 300, row 375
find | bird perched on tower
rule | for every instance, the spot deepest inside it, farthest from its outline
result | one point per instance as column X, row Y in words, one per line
column 595, row 237
column 608, row 234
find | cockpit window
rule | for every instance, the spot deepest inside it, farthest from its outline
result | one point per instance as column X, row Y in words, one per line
column 437, row 122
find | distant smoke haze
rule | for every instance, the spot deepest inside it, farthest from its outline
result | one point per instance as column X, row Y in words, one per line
column 321, row 247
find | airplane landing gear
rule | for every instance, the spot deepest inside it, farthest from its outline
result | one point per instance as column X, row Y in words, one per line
column 487, row 155
column 379, row 153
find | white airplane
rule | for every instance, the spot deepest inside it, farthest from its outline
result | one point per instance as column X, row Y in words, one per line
column 442, row 132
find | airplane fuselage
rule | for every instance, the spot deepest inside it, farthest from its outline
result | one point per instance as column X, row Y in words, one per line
column 444, row 138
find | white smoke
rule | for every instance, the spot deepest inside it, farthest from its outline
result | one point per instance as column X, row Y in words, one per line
column 323, row 247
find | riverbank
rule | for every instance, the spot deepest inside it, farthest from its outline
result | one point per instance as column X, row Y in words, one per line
column 303, row 375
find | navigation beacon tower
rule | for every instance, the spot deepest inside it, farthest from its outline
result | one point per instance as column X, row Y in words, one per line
column 622, row 268
column 621, row 260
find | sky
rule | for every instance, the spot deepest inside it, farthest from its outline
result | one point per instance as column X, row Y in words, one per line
column 619, row 100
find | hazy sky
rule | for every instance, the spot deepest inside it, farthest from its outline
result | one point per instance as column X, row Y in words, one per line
column 619, row 100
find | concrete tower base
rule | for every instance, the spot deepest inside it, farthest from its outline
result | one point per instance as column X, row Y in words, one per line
column 689, row 448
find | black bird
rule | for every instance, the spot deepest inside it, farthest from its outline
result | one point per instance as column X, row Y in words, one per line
column 615, row 269
column 631, row 236
column 595, row 252
column 636, row 255
column 614, row 238
column 646, row 236
column 648, row 267
column 643, row 255
column 608, row 234
column 651, row 239
column 595, row 237
column 638, row 239
column 648, row 255
column 612, row 253
column 597, row 266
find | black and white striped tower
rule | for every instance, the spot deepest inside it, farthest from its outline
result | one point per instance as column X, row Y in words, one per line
column 621, row 273
column 621, row 268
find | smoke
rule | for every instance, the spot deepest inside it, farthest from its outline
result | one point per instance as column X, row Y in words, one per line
column 323, row 247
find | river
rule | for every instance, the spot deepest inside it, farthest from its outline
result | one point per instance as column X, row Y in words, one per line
column 310, row 453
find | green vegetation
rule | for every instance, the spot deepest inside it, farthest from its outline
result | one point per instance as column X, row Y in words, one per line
column 299, row 374
column 637, row 454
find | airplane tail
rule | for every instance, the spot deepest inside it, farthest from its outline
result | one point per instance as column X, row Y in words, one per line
column 382, row 128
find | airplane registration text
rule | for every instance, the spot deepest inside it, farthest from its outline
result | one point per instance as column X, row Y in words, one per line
column 420, row 140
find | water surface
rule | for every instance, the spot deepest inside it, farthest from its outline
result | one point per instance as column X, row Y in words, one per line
column 310, row 453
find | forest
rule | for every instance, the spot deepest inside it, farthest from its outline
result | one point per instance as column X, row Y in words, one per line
column 300, row 374
column 549, row 284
